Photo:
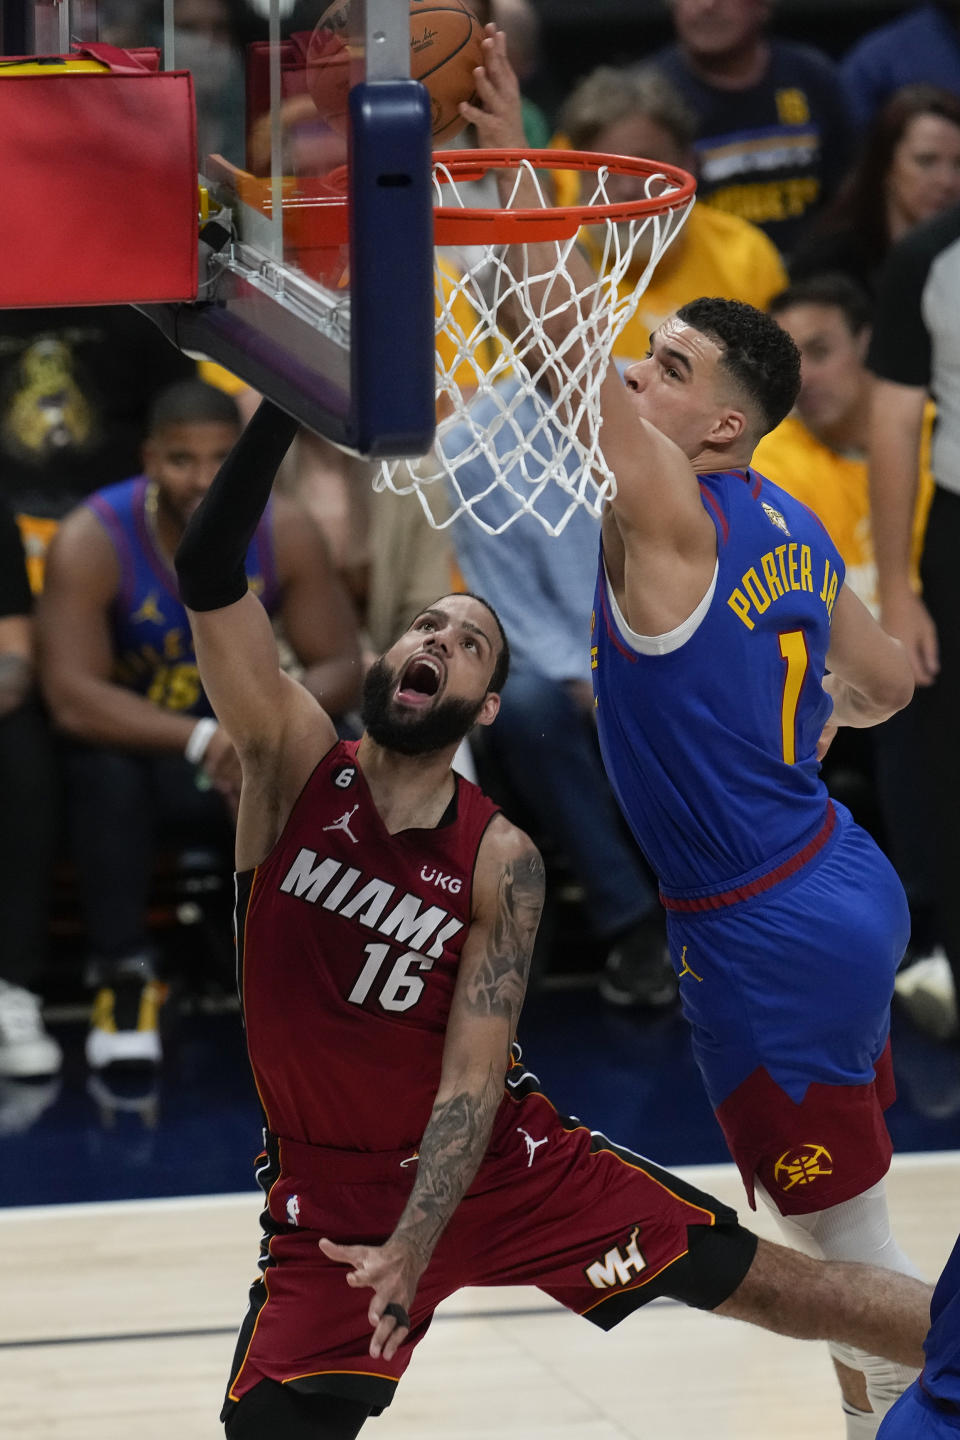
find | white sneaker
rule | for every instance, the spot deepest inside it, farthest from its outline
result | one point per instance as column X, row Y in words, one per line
column 22, row 1102
column 25, row 1047
column 929, row 996
column 124, row 1025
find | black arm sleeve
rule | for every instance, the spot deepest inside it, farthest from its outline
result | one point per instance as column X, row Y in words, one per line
column 211, row 557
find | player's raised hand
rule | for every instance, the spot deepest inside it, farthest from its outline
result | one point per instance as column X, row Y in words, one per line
column 498, row 118
column 391, row 1271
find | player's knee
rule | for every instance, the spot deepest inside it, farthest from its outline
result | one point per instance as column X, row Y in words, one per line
column 855, row 1230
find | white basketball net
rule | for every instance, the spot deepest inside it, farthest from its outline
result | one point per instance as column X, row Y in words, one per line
column 509, row 443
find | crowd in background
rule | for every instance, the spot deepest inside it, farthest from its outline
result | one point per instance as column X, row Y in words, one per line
column 814, row 172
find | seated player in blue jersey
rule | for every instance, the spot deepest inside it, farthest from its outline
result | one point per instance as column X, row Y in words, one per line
column 930, row 1409
column 143, row 749
column 727, row 649
column 386, row 916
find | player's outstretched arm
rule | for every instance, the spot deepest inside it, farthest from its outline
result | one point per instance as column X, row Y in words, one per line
column 491, row 983
column 236, row 650
column 880, row 1311
column 279, row 730
column 870, row 673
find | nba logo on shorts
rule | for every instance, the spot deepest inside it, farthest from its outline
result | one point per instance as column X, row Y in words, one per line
column 293, row 1210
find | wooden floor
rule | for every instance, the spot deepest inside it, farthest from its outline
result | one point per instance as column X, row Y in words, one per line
column 117, row 1323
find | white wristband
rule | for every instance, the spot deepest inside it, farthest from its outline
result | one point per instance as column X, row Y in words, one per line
column 200, row 737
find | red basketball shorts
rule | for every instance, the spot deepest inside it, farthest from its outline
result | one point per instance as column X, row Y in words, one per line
column 553, row 1205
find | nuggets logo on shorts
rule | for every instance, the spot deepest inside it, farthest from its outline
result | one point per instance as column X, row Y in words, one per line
column 803, row 1166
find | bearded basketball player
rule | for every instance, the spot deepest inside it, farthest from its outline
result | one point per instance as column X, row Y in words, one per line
column 386, row 915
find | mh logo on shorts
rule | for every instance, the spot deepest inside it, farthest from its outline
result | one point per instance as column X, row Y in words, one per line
column 618, row 1266
column 802, row 1166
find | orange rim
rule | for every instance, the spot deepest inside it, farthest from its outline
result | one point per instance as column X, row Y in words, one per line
column 458, row 225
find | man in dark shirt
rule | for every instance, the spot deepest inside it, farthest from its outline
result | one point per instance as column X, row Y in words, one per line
column 773, row 129
column 915, row 353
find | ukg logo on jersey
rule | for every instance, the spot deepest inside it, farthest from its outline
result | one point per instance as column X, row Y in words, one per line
column 451, row 883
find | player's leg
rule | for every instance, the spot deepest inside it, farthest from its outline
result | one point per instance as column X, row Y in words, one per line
column 881, row 1311
column 857, row 1230
column 270, row 1411
column 618, row 1231
column 800, row 1086
column 306, row 1330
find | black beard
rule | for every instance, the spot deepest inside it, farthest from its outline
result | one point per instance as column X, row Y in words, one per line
column 446, row 724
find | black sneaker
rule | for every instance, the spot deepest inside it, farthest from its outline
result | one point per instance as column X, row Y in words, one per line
column 638, row 971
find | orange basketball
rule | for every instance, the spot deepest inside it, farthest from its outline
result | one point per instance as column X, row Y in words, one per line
column 444, row 51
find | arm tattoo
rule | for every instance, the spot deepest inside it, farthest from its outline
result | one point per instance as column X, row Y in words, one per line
column 458, row 1131
column 499, row 984
column 453, row 1145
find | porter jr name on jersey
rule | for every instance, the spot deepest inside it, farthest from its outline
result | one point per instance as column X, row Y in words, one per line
column 785, row 568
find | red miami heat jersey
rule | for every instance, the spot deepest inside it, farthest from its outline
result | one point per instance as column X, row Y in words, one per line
column 349, row 940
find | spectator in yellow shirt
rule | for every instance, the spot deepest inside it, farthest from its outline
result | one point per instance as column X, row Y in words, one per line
column 637, row 113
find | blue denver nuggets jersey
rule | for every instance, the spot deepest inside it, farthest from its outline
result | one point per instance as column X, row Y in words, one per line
column 711, row 745
column 152, row 640
column 941, row 1373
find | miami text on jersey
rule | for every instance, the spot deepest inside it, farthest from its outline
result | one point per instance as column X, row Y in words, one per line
column 365, row 898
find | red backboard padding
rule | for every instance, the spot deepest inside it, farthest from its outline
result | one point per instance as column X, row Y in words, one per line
column 98, row 187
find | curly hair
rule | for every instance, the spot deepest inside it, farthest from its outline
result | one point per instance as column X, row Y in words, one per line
column 760, row 357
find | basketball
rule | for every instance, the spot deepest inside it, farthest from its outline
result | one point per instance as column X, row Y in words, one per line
column 444, row 52
column 445, row 49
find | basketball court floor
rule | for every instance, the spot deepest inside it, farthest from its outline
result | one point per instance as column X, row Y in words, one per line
column 129, row 1217
column 129, row 1226
column 119, row 1320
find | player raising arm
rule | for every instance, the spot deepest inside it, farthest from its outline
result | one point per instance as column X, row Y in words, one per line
column 719, row 607
column 420, row 699
column 385, row 919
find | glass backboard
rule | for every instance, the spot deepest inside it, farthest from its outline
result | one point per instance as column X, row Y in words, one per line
column 316, row 220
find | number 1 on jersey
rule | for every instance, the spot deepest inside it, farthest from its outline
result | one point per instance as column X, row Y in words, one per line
column 793, row 649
